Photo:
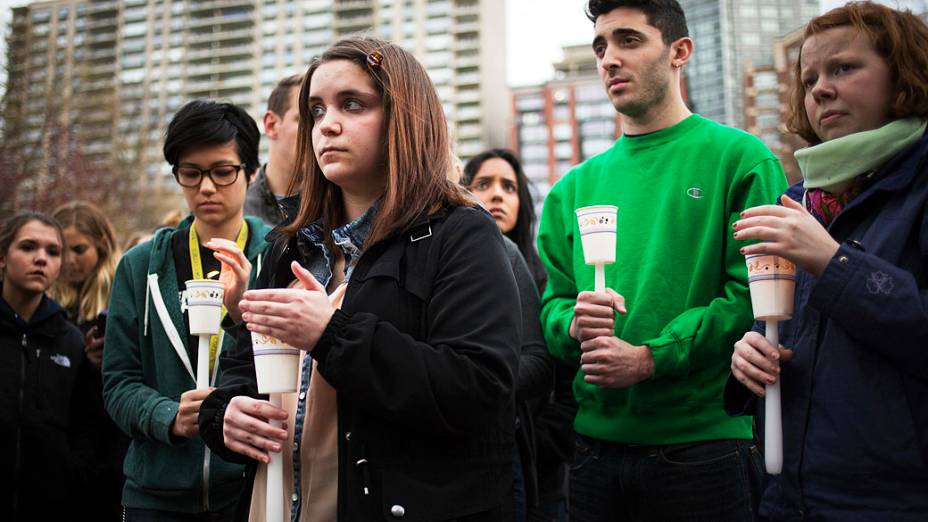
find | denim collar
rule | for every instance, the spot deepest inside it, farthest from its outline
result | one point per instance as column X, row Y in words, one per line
column 348, row 238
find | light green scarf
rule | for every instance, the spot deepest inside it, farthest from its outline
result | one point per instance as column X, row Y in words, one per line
column 830, row 165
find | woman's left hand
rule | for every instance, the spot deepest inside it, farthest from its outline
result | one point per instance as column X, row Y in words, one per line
column 787, row 231
column 93, row 348
column 236, row 269
column 296, row 316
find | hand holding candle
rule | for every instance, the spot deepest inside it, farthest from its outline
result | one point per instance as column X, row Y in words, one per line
column 277, row 367
column 203, row 302
column 772, row 284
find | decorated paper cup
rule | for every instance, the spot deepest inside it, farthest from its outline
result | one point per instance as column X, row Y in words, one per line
column 773, row 281
column 203, row 301
column 597, row 233
column 277, row 364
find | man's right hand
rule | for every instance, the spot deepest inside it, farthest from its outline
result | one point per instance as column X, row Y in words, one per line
column 246, row 428
column 594, row 314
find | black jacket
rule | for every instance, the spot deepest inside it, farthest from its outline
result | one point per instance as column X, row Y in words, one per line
column 423, row 355
column 45, row 435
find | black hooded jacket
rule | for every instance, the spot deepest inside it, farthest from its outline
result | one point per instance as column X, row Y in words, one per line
column 45, row 435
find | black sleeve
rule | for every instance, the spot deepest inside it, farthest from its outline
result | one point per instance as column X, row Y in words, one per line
column 461, row 376
column 536, row 367
column 738, row 400
column 84, row 432
column 554, row 425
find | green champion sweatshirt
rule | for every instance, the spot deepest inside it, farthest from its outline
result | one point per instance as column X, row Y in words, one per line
column 684, row 281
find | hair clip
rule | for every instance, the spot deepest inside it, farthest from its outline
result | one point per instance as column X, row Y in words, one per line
column 374, row 59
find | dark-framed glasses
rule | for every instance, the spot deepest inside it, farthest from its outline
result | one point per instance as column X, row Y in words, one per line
column 220, row 175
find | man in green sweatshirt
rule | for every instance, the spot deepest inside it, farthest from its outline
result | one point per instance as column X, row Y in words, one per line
column 654, row 442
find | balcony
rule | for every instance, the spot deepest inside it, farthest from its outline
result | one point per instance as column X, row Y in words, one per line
column 199, row 7
column 246, row 51
column 467, row 27
column 219, row 36
column 353, row 23
column 467, row 44
column 351, row 5
column 467, row 79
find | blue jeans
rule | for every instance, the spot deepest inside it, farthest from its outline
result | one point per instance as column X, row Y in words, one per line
column 711, row 481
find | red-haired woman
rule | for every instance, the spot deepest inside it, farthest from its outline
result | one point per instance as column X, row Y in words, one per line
column 855, row 373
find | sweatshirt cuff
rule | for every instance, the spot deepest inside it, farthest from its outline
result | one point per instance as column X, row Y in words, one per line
column 842, row 267
column 666, row 350
column 737, row 399
column 332, row 330
column 162, row 418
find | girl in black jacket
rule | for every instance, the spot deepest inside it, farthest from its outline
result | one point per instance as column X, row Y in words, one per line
column 417, row 339
column 44, row 378
column 545, row 406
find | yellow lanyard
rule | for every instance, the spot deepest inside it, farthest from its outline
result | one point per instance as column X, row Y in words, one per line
column 197, row 265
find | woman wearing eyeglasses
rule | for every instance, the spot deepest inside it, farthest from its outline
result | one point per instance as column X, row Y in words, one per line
column 150, row 363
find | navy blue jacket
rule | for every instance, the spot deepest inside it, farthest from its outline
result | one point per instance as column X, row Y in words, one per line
column 855, row 395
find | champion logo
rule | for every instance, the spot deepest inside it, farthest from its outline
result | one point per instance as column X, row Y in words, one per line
column 694, row 192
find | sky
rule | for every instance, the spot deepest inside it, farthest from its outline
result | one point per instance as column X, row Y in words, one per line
column 537, row 29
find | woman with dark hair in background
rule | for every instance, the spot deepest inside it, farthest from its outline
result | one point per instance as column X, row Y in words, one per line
column 44, row 379
column 544, row 436
column 83, row 289
column 496, row 177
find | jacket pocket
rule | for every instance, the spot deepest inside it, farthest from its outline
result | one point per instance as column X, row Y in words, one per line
column 442, row 492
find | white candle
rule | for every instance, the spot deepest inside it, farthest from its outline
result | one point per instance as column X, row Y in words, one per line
column 773, row 420
column 274, row 508
column 203, row 363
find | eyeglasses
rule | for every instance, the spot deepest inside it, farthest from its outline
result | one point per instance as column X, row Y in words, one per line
column 220, row 175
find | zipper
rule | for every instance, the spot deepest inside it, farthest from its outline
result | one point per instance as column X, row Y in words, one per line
column 205, row 479
column 19, row 424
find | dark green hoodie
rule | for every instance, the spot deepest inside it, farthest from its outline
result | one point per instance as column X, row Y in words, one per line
column 144, row 377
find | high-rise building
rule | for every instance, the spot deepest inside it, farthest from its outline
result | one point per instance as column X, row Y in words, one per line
column 564, row 121
column 113, row 73
column 729, row 35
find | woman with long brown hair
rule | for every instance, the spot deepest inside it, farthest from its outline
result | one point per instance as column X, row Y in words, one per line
column 853, row 360
column 400, row 293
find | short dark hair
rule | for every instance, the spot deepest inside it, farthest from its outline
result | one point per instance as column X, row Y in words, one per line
column 279, row 100
column 523, row 233
column 666, row 15
column 205, row 122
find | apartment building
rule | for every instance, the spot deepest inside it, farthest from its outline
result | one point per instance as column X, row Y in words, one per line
column 111, row 73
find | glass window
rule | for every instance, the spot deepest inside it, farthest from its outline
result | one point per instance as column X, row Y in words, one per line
column 563, row 131
column 530, row 102
column 531, row 118
column 770, row 25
